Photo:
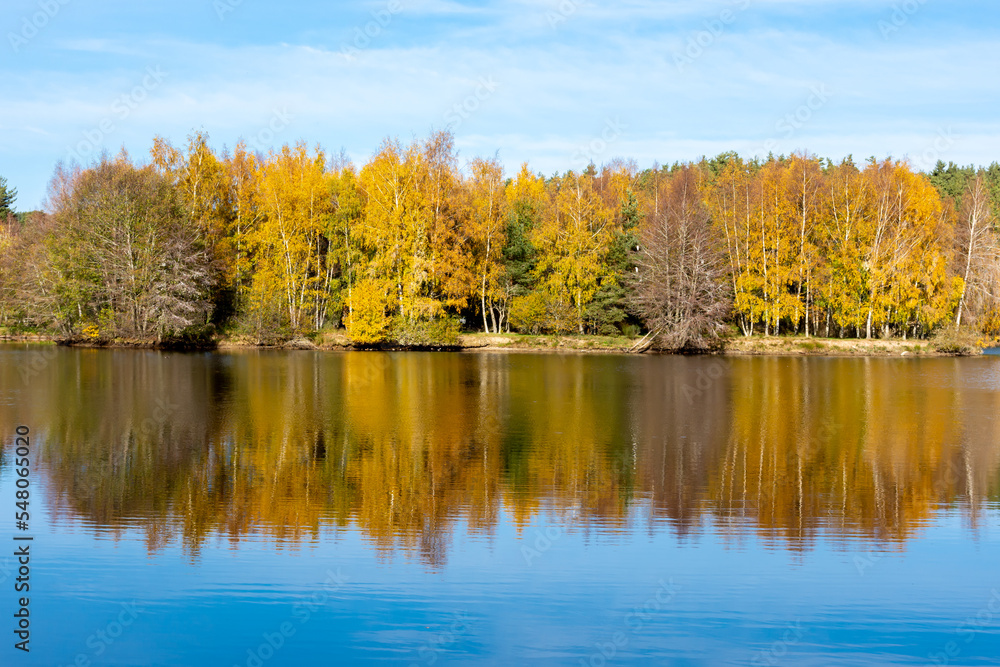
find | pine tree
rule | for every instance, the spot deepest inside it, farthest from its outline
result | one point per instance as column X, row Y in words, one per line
column 609, row 311
column 7, row 197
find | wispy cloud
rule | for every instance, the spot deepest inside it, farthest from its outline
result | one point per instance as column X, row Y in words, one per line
column 557, row 84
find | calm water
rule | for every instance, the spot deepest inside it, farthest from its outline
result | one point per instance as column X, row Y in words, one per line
column 320, row 508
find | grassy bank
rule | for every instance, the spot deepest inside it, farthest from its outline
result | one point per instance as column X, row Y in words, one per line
column 519, row 342
column 338, row 340
column 482, row 342
column 735, row 346
column 834, row 347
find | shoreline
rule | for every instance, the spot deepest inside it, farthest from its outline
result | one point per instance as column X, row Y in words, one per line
column 771, row 346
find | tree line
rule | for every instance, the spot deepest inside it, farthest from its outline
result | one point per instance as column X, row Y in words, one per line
column 413, row 247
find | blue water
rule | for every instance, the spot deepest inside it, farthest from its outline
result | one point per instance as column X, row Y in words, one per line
column 638, row 598
column 585, row 552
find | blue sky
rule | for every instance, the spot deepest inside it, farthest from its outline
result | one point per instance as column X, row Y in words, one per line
column 557, row 83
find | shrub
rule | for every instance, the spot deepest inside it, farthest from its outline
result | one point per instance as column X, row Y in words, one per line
column 527, row 313
column 439, row 332
column 368, row 323
column 538, row 313
column 194, row 337
column 956, row 340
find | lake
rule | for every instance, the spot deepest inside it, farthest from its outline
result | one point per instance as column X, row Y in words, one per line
column 297, row 508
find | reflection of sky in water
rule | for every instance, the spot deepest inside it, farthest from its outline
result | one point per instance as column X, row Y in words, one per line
column 719, row 602
column 512, row 509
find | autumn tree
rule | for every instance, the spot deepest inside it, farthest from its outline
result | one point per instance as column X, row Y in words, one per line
column 841, row 238
column 803, row 183
column 25, row 278
column 242, row 180
column 904, row 253
column 443, row 259
column 201, row 181
column 126, row 256
column 777, row 225
column 411, row 240
column 681, row 287
column 348, row 211
column 402, row 246
column 390, row 234
column 487, row 230
column 8, row 267
column 295, row 247
column 978, row 255
column 729, row 197
column 572, row 240
column 527, row 198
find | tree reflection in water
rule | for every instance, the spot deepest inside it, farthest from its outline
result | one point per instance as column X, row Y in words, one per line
column 409, row 447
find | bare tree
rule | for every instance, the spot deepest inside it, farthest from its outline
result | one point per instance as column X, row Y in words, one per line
column 123, row 253
column 680, row 288
column 978, row 254
column 23, row 295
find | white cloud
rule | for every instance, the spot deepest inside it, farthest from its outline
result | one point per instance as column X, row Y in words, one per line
column 556, row 88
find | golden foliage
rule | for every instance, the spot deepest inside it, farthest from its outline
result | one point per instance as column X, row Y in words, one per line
column 296, row 241
column 368, row 321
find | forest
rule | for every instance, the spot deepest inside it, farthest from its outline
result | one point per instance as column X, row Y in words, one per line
column 415, row 246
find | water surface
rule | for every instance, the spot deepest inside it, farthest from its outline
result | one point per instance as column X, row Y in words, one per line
column 287, row 508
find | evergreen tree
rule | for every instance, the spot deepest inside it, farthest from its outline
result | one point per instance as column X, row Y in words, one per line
column 519, row 254
column 951, row 180
column 992, row 176
column 608, row 313
column 7, row 197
